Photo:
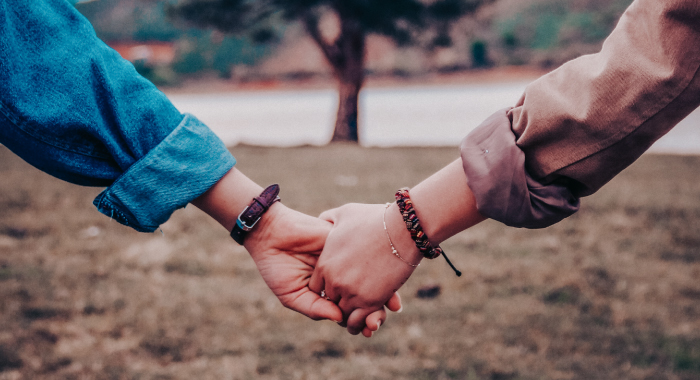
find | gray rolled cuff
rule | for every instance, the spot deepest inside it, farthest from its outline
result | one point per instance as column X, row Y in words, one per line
column 504, row 190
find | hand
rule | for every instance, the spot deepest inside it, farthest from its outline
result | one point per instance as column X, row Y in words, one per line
column 357, row 269
column 285, row 246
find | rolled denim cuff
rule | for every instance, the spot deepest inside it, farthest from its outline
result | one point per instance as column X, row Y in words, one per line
column 504, row 190
column 183, row 166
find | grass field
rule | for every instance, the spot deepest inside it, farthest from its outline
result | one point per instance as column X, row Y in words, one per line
column 610, row 293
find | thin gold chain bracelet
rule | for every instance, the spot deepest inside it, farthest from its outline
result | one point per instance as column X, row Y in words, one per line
column 393, row 249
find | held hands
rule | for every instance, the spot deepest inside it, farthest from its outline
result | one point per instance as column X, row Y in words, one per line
column 285, row 247
column 357, row 272
column 357, row 269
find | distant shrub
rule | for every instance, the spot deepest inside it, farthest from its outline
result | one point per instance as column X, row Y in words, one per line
column 479, row 50
column 143, row 68
column 233, row 51
column 510, row 39
column 547, row 30
column 158, row 75
column 552, row 26
column 190, row 63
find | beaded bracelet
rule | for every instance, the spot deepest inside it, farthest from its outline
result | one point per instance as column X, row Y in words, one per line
column 403, row 200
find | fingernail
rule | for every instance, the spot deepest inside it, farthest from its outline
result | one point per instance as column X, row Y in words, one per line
column 379, row 324
column 401, row 309
column 371, row 333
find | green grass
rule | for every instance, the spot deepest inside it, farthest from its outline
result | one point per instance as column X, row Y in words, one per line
column 610, row 293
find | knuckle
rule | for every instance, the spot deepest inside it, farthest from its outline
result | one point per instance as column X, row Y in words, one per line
column 286, row 303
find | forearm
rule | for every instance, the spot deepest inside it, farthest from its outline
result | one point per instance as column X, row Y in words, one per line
column 284, row 243
column 358, row 268
column 444, row 204
column 72, row 107
column 595, row 115
column 91, row 115
column 577, row 127
column 227, row 198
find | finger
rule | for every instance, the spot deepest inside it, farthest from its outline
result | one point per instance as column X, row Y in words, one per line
column 394, row 303
column 356, row 321
column 329, row 215
column 375, row 320
column 310, row 235
column 317, row 283
column 313, row 306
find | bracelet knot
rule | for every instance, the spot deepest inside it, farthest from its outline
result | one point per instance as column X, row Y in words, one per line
column 403, row 200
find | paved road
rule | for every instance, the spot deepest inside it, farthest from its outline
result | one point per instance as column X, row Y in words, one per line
column 419, row 115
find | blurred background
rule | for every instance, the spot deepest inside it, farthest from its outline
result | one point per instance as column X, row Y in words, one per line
column 609, row 293
column 375, row 72
column 171, row 40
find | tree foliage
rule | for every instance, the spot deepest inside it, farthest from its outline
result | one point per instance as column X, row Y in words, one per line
column 401, row 20
column 404, row 21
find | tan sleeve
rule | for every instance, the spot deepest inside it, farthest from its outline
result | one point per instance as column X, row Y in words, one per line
column 575, row 128
column 502, row 188
column 595, row 115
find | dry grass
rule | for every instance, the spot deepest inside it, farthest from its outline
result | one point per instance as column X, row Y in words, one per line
column 610, row 293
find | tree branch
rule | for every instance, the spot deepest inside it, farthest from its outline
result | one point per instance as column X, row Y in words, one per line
column 330, row 51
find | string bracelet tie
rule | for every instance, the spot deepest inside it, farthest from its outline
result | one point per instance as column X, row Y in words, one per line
column 403, row 200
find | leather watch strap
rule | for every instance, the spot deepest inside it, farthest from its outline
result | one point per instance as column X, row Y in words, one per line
column 250, row 216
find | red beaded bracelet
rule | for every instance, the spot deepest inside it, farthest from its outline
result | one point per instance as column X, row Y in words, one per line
column 403, row 200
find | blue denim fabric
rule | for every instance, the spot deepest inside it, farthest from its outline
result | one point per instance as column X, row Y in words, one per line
column 72, row 107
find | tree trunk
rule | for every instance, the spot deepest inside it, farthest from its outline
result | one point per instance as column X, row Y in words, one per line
column 347, row 57
column 350, row 72
column 346, row 119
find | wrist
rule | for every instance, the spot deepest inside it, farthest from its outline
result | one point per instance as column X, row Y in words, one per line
column 445, row 204
column 264, row 229
column 427, row 249
column 227, row 198
column 251, row 215
column 400, row 236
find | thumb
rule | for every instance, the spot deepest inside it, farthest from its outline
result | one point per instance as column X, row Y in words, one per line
column 316, row 282
column 313, row 306
column 326, row 309
column 330, row 215
column 394, row 303
column 308, row 233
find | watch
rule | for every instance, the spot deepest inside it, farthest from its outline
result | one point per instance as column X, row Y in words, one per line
column 250, row 216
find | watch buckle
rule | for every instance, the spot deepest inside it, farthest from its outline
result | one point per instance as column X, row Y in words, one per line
column 242, row 224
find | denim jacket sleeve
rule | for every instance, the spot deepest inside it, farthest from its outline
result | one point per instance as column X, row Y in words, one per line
column 72, row 107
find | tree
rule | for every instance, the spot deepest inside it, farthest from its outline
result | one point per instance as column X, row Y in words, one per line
column 405, row 21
